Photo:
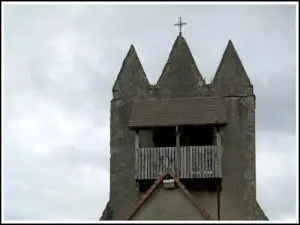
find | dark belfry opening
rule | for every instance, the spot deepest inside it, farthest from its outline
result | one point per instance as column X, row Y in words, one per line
column 164, row 137
column 197, row 135
column 190, row 136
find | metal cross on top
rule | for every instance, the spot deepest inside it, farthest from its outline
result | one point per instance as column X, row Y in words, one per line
column 180, row 24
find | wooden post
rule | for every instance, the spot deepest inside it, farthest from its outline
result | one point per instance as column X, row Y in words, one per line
column 215, row 136
column 137, row 140
column 218, row 137
column 177, row 152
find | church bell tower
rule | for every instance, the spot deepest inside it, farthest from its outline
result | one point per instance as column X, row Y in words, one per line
column 183, row 149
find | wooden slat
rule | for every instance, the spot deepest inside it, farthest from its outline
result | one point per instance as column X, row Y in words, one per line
column 182, row 162
column 157, row 163
column 161, row 160
column 150, row 163
column 173, row 159
column 165, row 158
column 170, row 158
column 188, row 163
column 154, row 164
column 201, row 161
column 164, row 162
column 153, row 171
column 193, row 175
column 220, row 161
column 205, row 160
column 148, row 159
column 147, row 163
column 136, row 164
column 185, row 161
column 140, row 163
column 142, row 166
column 210, row 161
column 197, row 162
column 138, row 155
column 192, row 163
column 216, row 162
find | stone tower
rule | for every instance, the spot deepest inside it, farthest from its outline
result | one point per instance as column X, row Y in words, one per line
column 183, row 134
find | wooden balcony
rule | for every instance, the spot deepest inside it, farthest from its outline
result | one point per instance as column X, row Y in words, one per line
column 191, row 162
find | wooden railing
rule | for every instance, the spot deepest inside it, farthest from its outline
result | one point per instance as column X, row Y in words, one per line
column 194, row 162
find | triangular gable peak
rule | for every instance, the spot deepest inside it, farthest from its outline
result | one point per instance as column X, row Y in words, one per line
column 132, row 78
column 231, row 77
column 155, row 186
column 180, row 76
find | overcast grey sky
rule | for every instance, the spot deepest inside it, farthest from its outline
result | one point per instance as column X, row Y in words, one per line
column 60, row 65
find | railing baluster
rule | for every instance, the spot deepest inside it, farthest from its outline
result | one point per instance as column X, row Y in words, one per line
column 198, row 162
column 210, row 161
column 213, row 161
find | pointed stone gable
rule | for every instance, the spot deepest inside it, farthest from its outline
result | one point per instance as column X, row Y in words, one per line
column 231, row 77
column 180, row 76
column 131, row 78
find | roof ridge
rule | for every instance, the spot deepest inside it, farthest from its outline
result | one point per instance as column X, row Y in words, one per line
column 146, row 196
